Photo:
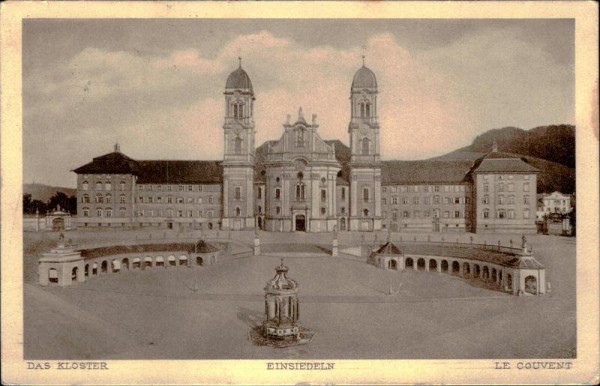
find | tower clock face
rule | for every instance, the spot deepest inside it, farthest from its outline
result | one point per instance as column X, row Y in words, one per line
column 364, row 130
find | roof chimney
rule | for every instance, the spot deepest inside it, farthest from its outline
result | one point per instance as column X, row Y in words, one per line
column 117, row 148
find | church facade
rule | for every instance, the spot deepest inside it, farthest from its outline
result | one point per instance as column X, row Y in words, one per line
column 303, row 183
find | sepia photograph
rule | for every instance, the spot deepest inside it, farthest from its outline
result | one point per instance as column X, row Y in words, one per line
column 299, row 191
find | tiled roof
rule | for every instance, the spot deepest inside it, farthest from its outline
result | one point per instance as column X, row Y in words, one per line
column 427, row 171
column 111, row 163
column 505, row 165
column 157, row 172
column 180, row 172
column 389, row 248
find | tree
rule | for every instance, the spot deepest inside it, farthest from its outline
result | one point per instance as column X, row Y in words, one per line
column 68, row 204
column 27, row 203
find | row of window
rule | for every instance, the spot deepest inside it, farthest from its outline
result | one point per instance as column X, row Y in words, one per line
column 510, row 187
column 107, row 185
column 504, row 177
column 151, row 213
column 107, row 199
column 426, row 214
column 504, row 214
column 501, row 200
column 426, row 200
column 176, row 200
column 425, row 188
column 179, row 188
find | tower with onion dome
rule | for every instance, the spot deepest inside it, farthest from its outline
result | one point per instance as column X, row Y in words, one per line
column 365, row 160
column 238, row 159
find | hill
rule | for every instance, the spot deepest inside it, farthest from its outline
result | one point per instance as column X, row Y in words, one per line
column 44, row 192
column 551, row 149
column 554, row 143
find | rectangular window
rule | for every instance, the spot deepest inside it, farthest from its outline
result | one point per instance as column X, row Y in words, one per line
column 180, row 200
column 417, row 214
column 141, row 188
column 384, row 201
column 457, row 200
column 446, row 214
column 511, row 199
column 190, row 188
column 86, row 213
column 416, row 188
column 366, row 194
column 199, row 200
column 159, row 188
column 405, row 214
column 394, row 216
column 383, row 189
column 277, row 194
column 210, row 199
column 210, row 213
column 323, row 195
column 180, row 188
column 457, row 214
column 122, row 213
column 526, row 187
column 526, row 200
column 486, row 200
column 170, row 212
column 199, row 213
column 395, row 200
column 486, row 214
column 238, row 193
column 416, row 200
column 169, row 187
column 150, row 200
column 169, row 200
column 526, row 213
column 259, row 193
column 190, row 213
column 405, row 200
column 500, row 200
column 180, row 213
column 446, row 188
column 344, row 193
column 426, row 201
column 278, row 210
column 511, row 187
column 501, row 214
column 447, row 200
column 426, row 189
column 436, row 189
column 394, row 189
column 436, row 200
column 426, row 214
column 511, row 214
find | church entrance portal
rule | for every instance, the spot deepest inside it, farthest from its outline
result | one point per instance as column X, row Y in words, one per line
column 300, row 223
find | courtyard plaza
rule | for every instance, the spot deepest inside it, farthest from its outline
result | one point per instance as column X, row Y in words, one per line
column 206, row 312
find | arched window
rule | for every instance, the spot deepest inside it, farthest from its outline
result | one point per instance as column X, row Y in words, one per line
column 365, row 146
column 98, row 212
column 108, row 198
column 98, row 185
column 85, row 185
column 85, row 199
column 122, row 186
column 259, row 209
column 238, row 110
column 86, row 212
column 277, row 194
column 366, row 213
column 238, row 212
column 99, row 199
column 122, row 212
column 122, row 199
column 436, row 213
column 238, row 145
column 108, row 212
column 300, row 191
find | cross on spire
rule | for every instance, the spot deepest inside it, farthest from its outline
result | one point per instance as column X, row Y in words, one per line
column 363, row 58
column 240, row 61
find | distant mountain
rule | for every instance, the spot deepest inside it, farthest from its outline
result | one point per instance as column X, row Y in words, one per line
column 554, row 143
column 551, row 149
column 44, row 192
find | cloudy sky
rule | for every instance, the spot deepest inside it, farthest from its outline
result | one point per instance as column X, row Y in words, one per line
column 156, row 86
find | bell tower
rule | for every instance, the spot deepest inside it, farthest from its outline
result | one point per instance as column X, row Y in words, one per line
column 238, row 160
column 365, row 160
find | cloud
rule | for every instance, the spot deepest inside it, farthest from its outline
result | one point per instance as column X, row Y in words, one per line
column 169, row 105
